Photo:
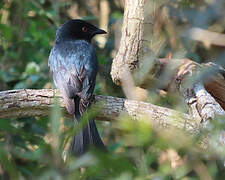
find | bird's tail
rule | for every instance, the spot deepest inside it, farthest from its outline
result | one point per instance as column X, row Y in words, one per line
column 85, row 138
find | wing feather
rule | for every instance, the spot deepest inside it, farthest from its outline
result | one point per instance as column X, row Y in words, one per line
column 73, row 73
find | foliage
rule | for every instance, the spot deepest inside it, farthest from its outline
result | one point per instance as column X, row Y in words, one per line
column 33, row 148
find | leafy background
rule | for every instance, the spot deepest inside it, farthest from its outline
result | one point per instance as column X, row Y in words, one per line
column 34, row 148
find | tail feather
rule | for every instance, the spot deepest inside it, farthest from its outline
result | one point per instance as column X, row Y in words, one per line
column 87, row 137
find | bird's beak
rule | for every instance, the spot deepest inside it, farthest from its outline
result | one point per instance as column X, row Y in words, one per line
column 100, row 31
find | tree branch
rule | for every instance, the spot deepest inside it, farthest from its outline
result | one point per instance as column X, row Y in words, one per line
column 206, row 36
column 27, row 102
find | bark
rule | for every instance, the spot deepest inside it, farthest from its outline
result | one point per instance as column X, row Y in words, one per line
column 27, row 102
column 136, row 64
column 136, row 44
column 203, row 89
column 202, row 86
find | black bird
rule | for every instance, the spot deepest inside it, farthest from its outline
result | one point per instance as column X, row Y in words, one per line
column 73, row 66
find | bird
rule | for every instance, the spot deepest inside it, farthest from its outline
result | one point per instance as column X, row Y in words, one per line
column 73, row 66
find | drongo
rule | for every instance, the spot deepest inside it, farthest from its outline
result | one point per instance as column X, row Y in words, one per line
column 73, row 66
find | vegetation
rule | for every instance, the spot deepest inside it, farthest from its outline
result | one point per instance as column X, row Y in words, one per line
column 35, row 147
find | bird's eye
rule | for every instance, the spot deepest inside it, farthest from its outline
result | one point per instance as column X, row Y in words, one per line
column 84, row 29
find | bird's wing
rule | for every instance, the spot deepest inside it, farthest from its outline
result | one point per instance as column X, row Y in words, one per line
column 74, row 68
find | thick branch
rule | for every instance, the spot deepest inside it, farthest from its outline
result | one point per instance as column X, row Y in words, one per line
column 137, row 39
column 23, row 103
column 201, row 85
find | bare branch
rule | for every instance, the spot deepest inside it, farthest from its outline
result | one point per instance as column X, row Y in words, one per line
column 27, row 102
column 205, row 36
column 201, row 85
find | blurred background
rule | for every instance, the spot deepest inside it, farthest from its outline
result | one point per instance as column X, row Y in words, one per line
column 33, row 148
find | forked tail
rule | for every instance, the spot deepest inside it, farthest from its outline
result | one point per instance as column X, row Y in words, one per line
column 87, row 137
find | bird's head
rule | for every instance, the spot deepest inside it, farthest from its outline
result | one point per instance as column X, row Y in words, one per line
column 78, row 29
